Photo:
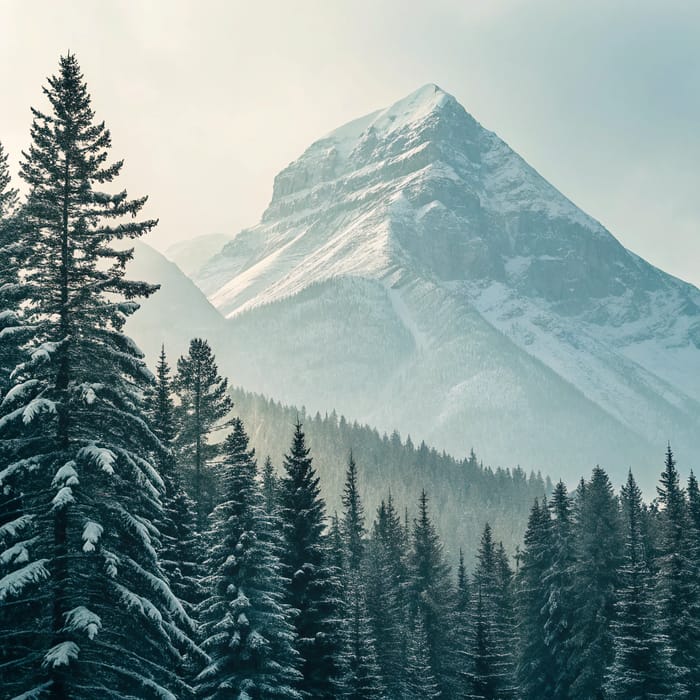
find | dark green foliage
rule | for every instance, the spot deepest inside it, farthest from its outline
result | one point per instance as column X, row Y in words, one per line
column 248, row 631
column 314, row 585
column 678, row 584
column 537, row 668
column 387, row 582
column 75, row 441
column 269, row 486
column 641, row 667
column 489, row 668
column 353, row 518
column 464, row 493
column 204, row 403
column 419, row 683
column 598, row 558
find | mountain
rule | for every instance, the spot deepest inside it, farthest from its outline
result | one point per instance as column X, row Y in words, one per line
column 177, row 312
column 191, row 254
column 413, row 271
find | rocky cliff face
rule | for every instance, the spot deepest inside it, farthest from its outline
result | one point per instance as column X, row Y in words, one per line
column 413, row 271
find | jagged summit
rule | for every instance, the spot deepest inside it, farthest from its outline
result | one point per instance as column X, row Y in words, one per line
column 460, row 245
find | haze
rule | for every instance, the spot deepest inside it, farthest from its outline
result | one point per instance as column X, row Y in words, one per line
column 207, row 101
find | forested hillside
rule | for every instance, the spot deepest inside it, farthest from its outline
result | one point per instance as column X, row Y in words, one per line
column 465, row 494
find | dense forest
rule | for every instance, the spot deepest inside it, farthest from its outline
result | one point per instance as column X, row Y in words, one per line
column 141, row 556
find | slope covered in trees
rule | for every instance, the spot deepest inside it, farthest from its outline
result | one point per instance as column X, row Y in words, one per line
column 464, row 493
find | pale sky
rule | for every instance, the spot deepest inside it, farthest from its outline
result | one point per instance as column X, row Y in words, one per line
column 208, row 100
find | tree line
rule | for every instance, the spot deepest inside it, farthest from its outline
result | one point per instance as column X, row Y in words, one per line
column 145, row 553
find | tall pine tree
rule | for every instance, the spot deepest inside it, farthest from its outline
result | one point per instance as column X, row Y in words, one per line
column 106, row 624
column 314, row 587
column 204, row 403
column 248, row 631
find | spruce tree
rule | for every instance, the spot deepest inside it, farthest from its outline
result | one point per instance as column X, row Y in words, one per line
column 488, row 673
column 387, row 581
column 419, row 683
column 269, row 484
column 204, row 403
column 179, row 543
column 536, row 669
column 431, row 596
column 598, row 558
column 75, row 438
column 558, row 583
column 353, row 518
column 314, row 585
column 678, row 583
column 641, row 666
column 248, row 629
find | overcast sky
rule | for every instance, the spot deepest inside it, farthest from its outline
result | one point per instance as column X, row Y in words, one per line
column 207, row 100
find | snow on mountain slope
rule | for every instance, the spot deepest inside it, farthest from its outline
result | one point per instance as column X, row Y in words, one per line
column 483, row 277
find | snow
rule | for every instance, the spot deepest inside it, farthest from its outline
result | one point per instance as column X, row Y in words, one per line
column 63, row 498
column 81, row 619
column 99, row 456
column 61, row 654
column 37, row 407
column 13, row 583
column 19, row 390
column 12, row 528
column 66, row 475
column 17, row 554
column 92, row 532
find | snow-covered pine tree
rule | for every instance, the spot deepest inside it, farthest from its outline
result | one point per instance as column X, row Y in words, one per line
column 107, row 624
column 179, row 543
column 419, row 683
column 363, row 680
column 558, row 583
column 248, row 629
column 204, row 404
column 353, row 526
column 387, row 580
column 488, row 673
column 598, row 557
column 536, row 669
column 314, row 588
column 431, row 596
column 641, row 666
column 678, row 579
column 269, row 485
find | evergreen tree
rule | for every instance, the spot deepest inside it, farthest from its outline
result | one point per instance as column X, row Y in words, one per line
column 204, row 403
column 536, row 670
column 559, row 590
column 420, row 683
column 678, row 585
column 269, row 486
column 179, row 550
column 641, row 665
column 489, row 668
column 353, row 518
column 598, row 558
column 75, row 441
column 387, row 580
column 431, row 596
column 694, row 504
column 314, row 588
column 248, row 631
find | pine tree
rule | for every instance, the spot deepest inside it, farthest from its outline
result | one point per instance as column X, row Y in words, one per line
column 248, row 629
column 598, row 558
column 204, row 403
column 694, row 504
column 431, row 596
column 489, row 669
column 314, row 588
column 419, row 683
column 536, row 670
column 269, row 486
column 641, row 665
column 678, row 584
column 559, row 587
column 180, row 544
column 353, row 518
column 75, row 438
column 387, row 581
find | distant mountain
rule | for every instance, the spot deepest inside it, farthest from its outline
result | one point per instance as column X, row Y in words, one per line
column 413, row 271
column 191, row 254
